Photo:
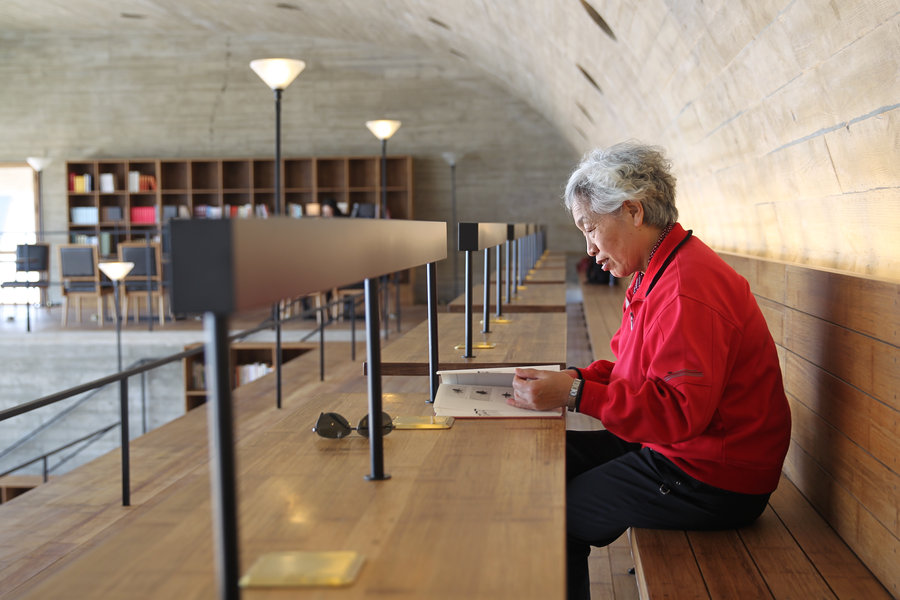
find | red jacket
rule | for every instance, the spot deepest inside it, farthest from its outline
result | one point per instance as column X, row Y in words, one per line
column 696, row 376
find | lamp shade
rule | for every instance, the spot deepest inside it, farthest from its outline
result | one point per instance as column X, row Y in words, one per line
column 38, row 163
column 278, row 73
column 450, row 157
column 116, row 270
column 383, row 129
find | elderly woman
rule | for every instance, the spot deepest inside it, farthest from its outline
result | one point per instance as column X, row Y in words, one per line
column 697, row 423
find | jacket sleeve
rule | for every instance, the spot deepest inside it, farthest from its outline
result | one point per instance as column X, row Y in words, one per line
column 667, row 386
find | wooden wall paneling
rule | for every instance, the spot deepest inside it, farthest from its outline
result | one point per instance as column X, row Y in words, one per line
column 870, row 306
column 862, row 361
column 871, row 424
column 869, row 539
column 869, row 482
column 774, row 315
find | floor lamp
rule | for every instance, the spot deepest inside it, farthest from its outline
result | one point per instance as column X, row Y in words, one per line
column 278, row 74
column 117, row 271
column 450, row 157
column 39, row 163
column 383, row 129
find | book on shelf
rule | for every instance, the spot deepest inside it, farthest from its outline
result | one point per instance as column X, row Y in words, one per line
column 107, row 183
column 184, row 212
column 111, row 213
column 105, row 244
column 249, row 372
column 473, row 393
column 84, row 215
column 80, row 183
column 143, row 215
column 198, row 376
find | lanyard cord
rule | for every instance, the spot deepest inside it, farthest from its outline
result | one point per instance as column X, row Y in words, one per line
column 668, row 260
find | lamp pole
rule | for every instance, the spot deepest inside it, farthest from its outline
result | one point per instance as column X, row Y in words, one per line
column 383, row 129
column 278, row 74
column 450, row 157
column 117, row 271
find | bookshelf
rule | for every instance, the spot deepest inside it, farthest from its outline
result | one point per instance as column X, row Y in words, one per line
column 248, row 361
column 114, row 200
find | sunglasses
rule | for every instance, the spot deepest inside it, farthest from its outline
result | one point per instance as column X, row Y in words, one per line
column 334, row 426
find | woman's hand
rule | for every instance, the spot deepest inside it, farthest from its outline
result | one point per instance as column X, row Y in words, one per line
column 537, row 389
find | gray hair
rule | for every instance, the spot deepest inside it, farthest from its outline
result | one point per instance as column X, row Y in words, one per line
column 607, row 177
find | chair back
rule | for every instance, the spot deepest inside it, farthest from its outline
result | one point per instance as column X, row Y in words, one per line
column 142, row 254
column 78, row 267
column 32, row 257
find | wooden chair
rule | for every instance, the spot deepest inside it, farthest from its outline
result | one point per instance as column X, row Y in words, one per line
column 81, row 278
column 31, row 258
column 146, row 275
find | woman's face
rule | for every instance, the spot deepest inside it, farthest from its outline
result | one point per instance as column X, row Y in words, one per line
column 613, row 239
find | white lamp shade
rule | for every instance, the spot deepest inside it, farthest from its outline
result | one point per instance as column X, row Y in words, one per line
column 116, row 270
column 450, row 157
column 278, row 73
column 38, row 163
column 383, row 129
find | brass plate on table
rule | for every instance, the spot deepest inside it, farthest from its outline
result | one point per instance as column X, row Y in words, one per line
column 477, row 346
column 303, row 569
column 500, row 320
column 412, row 422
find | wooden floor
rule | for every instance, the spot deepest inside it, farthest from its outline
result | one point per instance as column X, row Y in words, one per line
column 169, row 455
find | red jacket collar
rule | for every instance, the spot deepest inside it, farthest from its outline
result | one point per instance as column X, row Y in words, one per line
column 668, row 245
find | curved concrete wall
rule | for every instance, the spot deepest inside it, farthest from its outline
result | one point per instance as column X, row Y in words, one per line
column 780, row 116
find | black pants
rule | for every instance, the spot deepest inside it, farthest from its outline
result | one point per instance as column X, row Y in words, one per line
column 613, row 485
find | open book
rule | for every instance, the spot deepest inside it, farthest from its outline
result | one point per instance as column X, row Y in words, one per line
column 483, row 393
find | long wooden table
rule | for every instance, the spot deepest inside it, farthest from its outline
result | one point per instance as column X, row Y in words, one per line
column 476, row 511
column 531, row 339
column 535, row 298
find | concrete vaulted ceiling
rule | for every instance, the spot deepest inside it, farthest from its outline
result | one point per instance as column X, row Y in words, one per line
column 561, row 57
column 780, row 116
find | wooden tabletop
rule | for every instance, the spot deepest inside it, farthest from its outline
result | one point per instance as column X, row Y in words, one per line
column 476, row 511
column 535, row 298
column 529, row 339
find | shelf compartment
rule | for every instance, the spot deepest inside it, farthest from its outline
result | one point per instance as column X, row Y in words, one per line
column 236, row 175
column 263, row 174
column 331, row 173
column 205, row 174
column 364, row 172
column 298, row 174
column 173, row 175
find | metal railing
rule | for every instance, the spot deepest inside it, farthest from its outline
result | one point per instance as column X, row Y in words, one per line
column 348, row 302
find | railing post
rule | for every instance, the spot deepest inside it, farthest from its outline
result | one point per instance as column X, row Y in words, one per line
column 486, row 309
column 373, row 357
column 221, row 455
column 276, row 316
column 123, row 425
column 433, row 361
column 323, row 314
column 468, row 324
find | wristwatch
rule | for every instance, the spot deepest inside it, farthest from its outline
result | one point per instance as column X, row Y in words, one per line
column 574, row 395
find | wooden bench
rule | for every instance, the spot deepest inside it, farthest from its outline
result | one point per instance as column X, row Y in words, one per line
column 832, row 529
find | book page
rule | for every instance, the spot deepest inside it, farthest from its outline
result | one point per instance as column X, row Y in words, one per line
column 482, row 393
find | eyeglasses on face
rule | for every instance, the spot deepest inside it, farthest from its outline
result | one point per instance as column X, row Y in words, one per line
column 335, row 426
